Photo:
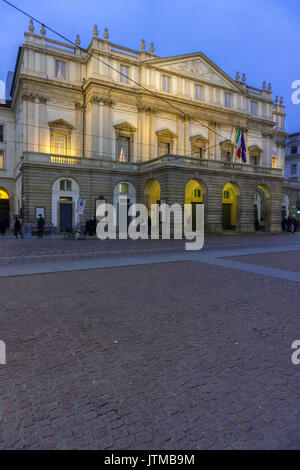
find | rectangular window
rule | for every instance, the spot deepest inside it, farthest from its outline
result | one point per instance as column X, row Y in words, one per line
column 197, row 152
column 1, row 133
column 123, row 188
column 294, row 150
column 274, row 162
column 228, row 100
column 294, row 169
column 60, row 70
column 164, row 148
column 254, row 160
column 226, row 195
column 1, row 160
column 124, row 74
column 123, row 149
column 199, row 92
column 166, row 83
column 59, row 144
column 65, row 185
column 253, row 108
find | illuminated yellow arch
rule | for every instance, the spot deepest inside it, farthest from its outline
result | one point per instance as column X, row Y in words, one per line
column 193, row 192
column 152, row 193
column 230, row 194
column 3, row 194
column 265, row 189
column 265, row 208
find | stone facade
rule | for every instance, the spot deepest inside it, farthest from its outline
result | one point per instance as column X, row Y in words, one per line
column 83, row 127
column 291, row 186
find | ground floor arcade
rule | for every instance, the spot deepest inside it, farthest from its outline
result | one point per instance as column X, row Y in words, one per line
column 232, row 202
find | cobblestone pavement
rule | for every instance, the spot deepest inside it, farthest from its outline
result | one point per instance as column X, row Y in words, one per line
column 290, row 261
column 165, row 356
column 19, row 251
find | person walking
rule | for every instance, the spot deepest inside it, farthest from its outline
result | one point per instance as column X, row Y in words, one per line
column 40, row 224
column 18, row 227
column 294, row 223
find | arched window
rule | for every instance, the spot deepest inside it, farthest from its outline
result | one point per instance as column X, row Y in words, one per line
column 65, row 185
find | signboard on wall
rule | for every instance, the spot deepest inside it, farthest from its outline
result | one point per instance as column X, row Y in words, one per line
column 80, row 206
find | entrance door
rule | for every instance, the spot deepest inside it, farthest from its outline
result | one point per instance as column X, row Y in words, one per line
column 255, row 218
column 226, row 216
column 4, row 208
column 65, row 216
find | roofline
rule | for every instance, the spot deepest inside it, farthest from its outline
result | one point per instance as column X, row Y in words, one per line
column 157, row 61
column 15, row 70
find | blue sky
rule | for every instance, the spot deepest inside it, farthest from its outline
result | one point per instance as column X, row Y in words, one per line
column 257, row 37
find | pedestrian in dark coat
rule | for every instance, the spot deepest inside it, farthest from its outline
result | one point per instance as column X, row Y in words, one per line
column 18, row 227
column 40, row 224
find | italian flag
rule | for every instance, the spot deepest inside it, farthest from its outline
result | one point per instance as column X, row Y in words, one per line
column 239, row 143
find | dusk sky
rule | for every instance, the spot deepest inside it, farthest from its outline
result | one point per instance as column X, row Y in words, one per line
column 257, row 37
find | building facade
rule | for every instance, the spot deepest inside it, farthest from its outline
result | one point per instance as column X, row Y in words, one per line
column 107, row 122
column 291, row 186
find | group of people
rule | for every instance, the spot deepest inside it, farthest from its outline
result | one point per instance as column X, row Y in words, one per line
column 18, row 226
column 289, row 224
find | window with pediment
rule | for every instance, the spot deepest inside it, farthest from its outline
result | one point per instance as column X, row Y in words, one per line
column 254, row 155
column 227, row 150
column 165, row 141
column 198, row 146
column 124, row 141
column 60, row 137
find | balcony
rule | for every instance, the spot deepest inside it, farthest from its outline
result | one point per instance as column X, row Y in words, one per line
column 177, row 161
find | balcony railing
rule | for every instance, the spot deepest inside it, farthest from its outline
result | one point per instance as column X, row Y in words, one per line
column 165, row 160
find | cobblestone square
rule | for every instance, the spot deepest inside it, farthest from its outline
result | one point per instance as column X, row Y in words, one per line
column 170, row 355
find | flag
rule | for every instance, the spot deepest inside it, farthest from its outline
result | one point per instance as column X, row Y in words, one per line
column 243, row 146
column 238, row 143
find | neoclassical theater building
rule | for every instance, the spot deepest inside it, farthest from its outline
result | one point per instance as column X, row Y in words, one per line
column 80, row 125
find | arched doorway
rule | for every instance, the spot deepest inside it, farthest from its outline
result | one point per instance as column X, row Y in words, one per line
column 257, row 210
column 151, row 193
column 230, row 196
column 4, row 205
column 262, row 207
column 285, row 205
column 124, row 193
column 65, row 194
column 194, row 194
